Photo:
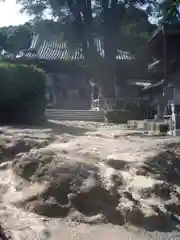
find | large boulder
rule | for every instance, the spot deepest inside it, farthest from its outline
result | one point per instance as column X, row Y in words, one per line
column 92, row 198
column 111, row 179
column 10, row 147
column 143, row 187
column 165, row 165
column 173, row 207
column 27, row 164
column 130, row 211
column 76, row 186
column 63, row 180
column 9, row 150
column 162, row 190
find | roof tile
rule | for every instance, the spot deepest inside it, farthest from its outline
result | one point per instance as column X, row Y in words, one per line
column 56, row 49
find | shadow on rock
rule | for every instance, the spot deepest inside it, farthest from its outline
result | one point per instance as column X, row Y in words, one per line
column 59, row 128
column 48, row 207
column 159, row 222
column 9, row 150
column 164, row 166
column 92, row 198
column 3, row 235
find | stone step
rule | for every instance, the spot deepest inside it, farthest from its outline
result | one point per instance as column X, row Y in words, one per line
column 76, row 115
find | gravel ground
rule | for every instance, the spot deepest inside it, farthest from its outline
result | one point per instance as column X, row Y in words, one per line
column 103, row 232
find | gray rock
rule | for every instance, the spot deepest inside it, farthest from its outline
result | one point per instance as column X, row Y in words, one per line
column 92, row 198
column 25, row 165
column 49, row 207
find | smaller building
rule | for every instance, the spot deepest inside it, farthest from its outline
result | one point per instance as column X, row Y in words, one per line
column 164, row 48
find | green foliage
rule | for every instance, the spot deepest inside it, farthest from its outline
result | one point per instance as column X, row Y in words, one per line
column 120, row 22
column 22, row 93
column 3, row 40
column 122, row 116
column 121, row 25
column 135, row 30
column 15, row 38
column 126, row 21
column 169, row 10
column 119, row 115
column 163, row 10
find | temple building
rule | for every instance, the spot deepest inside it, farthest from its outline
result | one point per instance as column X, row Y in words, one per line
column 68, row 84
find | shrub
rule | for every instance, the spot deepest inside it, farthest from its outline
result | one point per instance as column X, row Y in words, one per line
column 22, row 94
column 122, row 115
column 118, row 115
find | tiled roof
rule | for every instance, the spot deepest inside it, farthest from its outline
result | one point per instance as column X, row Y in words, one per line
column 52, row 48
column 121, row 55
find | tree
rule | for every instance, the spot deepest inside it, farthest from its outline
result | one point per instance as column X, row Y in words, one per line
column 169, row 10
column 3, row 40
column 135, row 30
column 88, row 18
column 164, row 10
column 15, row 38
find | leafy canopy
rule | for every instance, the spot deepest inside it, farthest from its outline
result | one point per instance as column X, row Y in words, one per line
column 79, row 20
column 15, row 38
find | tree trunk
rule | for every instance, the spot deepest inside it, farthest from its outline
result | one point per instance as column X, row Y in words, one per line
column 110, row 15
column 82, row 12
column 108, row 83
column 76, row 9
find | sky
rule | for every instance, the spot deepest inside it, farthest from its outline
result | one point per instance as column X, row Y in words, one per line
column 10, row 14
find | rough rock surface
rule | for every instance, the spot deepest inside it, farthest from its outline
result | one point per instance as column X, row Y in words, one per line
column 89, row 176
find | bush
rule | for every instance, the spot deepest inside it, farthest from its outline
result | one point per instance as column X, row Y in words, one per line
column 118, row 115
column 22, row 94
column 122, row 115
